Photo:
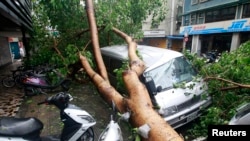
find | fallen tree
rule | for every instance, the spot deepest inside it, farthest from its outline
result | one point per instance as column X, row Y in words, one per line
column 138, row 104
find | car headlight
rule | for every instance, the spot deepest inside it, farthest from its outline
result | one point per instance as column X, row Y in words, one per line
column 169, row 111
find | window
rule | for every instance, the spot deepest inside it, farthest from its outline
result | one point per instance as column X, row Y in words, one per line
column 193, row 19
column 178, row 17
column 201, row 18
column 216, row 15
column 229, row 13
column 179, row 12
column 111, row 64
column 186, row 20
column 194, row 2
column 246, row 11
column 220, row 14
column 174, row 71
column 106, row 62
column 114, row 64
column 209, row 17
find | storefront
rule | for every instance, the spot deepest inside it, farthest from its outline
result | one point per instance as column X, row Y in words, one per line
column 156, row 38
column 175, row 42
column 216, row 42
column 220, row 36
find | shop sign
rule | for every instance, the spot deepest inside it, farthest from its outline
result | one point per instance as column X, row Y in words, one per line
column 218, row 27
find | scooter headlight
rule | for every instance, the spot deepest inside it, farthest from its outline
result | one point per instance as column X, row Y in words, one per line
column 169, row 111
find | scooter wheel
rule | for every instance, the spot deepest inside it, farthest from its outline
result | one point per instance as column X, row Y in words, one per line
column 88, row 135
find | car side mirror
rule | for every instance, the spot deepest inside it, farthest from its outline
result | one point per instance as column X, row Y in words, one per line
column 150, row 85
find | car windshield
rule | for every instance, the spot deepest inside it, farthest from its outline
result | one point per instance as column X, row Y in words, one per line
column 174, row 71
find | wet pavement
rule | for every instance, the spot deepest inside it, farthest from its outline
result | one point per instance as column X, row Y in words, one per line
column 15, row 104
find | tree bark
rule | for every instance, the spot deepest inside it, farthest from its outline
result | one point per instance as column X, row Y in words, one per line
column 95, row 39
column 138, row 103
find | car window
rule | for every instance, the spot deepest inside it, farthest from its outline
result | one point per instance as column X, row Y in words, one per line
column 174, row 71
column 111, row 64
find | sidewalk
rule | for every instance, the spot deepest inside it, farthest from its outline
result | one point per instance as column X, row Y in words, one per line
column 10, row 98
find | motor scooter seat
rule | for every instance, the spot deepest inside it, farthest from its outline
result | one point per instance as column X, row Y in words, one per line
column 16, row 127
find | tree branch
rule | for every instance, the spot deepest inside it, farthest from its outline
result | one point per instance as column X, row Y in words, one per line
column 57, row 50
column 139, row 102
column 107, row 91
column 136, row 64
column 238, row 85
column 95, row 40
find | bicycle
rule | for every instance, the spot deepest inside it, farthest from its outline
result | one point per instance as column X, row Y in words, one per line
column 10, row 81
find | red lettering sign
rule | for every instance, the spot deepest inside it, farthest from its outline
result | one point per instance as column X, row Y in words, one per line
column 199, row 27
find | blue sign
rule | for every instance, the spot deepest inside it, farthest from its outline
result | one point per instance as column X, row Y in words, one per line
column 234, row 26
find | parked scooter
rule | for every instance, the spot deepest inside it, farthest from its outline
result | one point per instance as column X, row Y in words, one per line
column 78, row 124
column 34, row 84
column 113, row 130
column 211, row 57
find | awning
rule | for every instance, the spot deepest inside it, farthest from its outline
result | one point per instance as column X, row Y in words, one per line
column 175, row 37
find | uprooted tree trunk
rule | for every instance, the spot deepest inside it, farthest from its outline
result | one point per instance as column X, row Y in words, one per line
column 138, row 103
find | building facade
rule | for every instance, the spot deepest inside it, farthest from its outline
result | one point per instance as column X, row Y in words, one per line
column 15, row 25
column 220, row 25
column 166, row 34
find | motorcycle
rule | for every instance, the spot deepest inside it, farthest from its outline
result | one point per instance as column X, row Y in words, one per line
column 78, row 124
column 35, row 84
column 211, row 57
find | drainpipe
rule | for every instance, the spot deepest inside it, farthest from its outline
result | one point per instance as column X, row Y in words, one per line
column 172, row 18
column 169, row 45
